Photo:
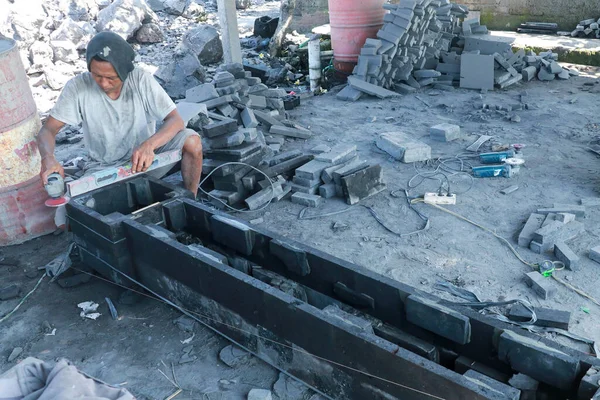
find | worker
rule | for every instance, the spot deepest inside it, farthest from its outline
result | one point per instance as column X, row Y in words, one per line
column 117, row 106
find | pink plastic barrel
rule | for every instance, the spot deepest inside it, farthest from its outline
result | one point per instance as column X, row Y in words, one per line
column 352, row 22
column 23, row 214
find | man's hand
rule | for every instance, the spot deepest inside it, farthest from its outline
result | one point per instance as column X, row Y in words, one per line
column 142, row 158
column 50, row 165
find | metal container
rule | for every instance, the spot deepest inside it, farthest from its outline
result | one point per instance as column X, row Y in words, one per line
column 23, row 214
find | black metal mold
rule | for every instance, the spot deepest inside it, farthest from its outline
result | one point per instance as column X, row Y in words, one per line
column 168, row 266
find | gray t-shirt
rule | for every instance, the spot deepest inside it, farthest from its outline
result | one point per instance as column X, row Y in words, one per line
column 112, row 129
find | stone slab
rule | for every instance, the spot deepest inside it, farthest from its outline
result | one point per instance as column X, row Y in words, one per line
column 438, row 319
column 477, row 71
column 403, row 147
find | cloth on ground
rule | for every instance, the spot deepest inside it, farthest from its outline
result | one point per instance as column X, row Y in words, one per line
column 34, row 379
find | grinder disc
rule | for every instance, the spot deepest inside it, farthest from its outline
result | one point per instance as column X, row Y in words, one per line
column 56, row 202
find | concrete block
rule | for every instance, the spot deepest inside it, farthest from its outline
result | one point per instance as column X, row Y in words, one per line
column 293, row 258
column 349, row 94
column 220, row 128
column 322, row 148
column 257, row 101
column 248, row 118
column 438, row 319
column 403, row 88
column 403, row 147
column 578, row 210
column 477, row 71
column 305, row 199
column 219, row 101
column 294, row 187
column 349, row 319
column 348, row 169
column 223, row 141
column 463, row 364
column 409, row 342
column 232, row 233
column 500, row 389
column 445, row 132
column 524, row 383
column 282, row 157
column 448, row 68
column 535, row 359
column 312, row 170
column 338, row 154
column 212, row 255
column 540, row 284
column 544, row 75
column 426, row 73
column 555, row 68
column 556, row 231
column 289, row 132
column 262, row 197
column 266, row 119
column 529, row 73
column 249, row 182
column 362, row 184
column 371, row 89
column 327, row 191
column 595, row 254
column 590, row 385
column 201, row 93
column 545, row 316
column 488, row 45
column 306, row 182
column 565, row 218
column 564, row 253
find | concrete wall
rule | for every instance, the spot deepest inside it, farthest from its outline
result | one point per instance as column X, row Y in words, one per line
column 508, row 14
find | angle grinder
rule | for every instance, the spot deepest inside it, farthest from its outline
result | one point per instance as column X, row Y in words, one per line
column 56, row 190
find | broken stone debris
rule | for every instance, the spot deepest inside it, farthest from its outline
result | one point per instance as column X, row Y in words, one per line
column 15, row 353
column 233, row 356
column 260, row 394
column 185, row 323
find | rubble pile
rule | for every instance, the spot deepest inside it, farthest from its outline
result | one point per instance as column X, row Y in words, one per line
column 244, row 127
column 587, row 28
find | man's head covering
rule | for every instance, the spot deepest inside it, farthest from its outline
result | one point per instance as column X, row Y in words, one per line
column 109, row 46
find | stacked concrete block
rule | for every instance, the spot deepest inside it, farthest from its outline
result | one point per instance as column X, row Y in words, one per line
column 405, row 55
column 233, row 113
column 587, row 28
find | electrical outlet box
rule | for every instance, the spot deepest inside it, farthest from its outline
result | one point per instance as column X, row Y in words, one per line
column 434, row 198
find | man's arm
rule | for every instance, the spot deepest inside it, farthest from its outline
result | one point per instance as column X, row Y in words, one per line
column 144, row 155
column 46, row 140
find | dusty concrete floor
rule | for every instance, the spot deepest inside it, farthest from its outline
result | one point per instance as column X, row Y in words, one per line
column 559, row 169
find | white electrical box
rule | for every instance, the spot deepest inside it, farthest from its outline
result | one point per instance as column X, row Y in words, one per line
column 434, row 198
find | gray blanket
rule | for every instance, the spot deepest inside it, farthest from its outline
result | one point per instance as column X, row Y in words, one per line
column 33, row 379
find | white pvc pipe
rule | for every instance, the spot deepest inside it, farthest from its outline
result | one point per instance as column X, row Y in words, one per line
column 314, row 62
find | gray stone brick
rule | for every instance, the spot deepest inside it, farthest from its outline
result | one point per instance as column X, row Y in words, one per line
column 501, row 389
column 262, row 197
column 564, row 253
column 438, row 319
column 308, row 200
column 349, row 94
column 403, row 147
column 533, row 224
column 327, row 191
column 541, row 285
column 371, row 89
column 295, row 188
column 477, row 71
column 312, row 169
column 306, row 182
column 348, row 169
column 595, row 254
column 338, row 154
column 545, row 316
column 362, row 184
column 445, row 132
column 248, row 118
column 257, row 101
column 290, row 132
column 201, row 93
column 578, row 210
column 529, row 73
column 535, row 359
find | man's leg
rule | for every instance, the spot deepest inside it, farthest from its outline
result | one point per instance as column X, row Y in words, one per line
column 191, row 163
column 190, row 144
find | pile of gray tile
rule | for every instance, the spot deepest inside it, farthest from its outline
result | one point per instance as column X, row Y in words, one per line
column 404, row 55
column 337, row 172
column 587, row 28
column 243, row 127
